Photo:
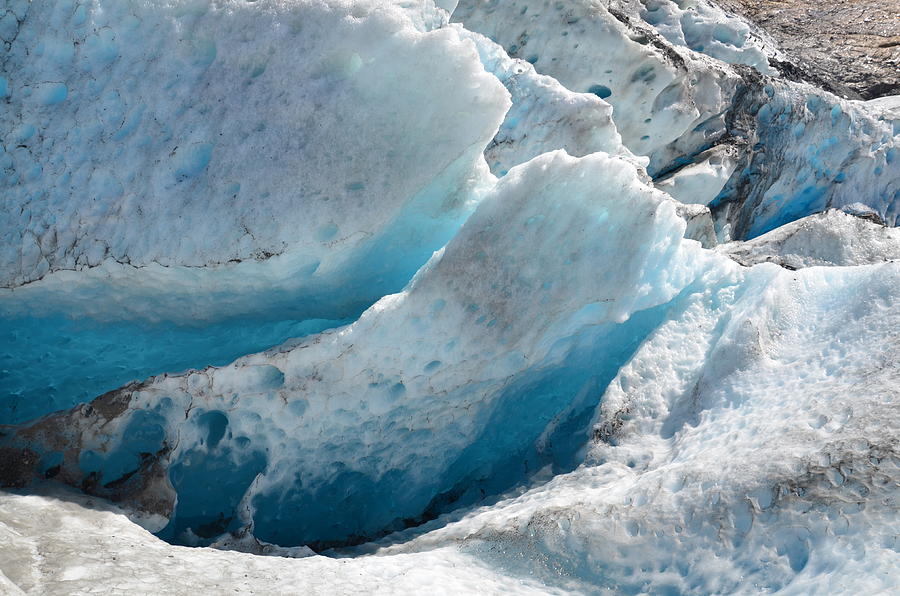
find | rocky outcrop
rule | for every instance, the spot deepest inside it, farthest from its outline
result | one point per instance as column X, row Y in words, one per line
column 850, row 47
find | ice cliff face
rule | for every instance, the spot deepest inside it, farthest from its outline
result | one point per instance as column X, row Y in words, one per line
column 222, row 118
column 440, row 283
column 782, row 150
column 192, row 184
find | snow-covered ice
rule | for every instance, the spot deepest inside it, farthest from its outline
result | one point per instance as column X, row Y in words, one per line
column 181, row 189
column 829, row 238
column 93, row 547
column 403, row 407
column 216, row 144
column 361, row 296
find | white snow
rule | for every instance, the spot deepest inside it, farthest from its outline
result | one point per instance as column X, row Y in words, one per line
column 66, row 544
column 829, row 238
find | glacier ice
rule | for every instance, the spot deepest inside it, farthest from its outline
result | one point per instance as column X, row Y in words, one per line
column 667, row 103
column 755, row 429
column 814, row 152
column 219, row 117
column 601, row 300
column 126, row 559
column 793, row 149
column 186, row 195
column 497, row 324
column 704, row 27
column 700, row 182
column 830, row 238
column 544, row 115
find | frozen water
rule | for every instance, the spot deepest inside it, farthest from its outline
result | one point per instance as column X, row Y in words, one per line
column 89, row 358
column 497, row 323
column 216, row 144
column 544, row 115
column 212, row 195
column 753, row 429
column 781, row 150
column 700, row 182
column 666, row 103
column 125, row 559
column 829, row 238
column 565, row 297
column 810, row 151
column 704, row 27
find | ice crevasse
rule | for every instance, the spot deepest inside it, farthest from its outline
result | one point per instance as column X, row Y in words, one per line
column 431, row 302
column 180, row 204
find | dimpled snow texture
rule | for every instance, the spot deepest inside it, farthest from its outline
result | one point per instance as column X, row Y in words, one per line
column 246, row 130
column 400, row 410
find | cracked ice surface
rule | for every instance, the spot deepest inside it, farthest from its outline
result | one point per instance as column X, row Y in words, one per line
column 570, row 395
column 792, row 150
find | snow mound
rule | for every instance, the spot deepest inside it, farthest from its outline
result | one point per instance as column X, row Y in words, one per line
column 125, row 559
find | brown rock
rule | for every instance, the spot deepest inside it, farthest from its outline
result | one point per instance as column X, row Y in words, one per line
column 850, row 47
column 17, row 466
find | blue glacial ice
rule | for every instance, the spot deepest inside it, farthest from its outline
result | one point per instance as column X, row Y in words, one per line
column 483, row 296
column 497, row 315
column 184, row 196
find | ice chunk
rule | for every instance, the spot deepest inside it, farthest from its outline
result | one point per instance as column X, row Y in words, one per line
column 544, row 115
column 703, row 180
column 808, row 151
column 830, row 238
column 667, row 101
column 793, row 150
column 399, row 415
column 212, row 195
column 196, row 152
